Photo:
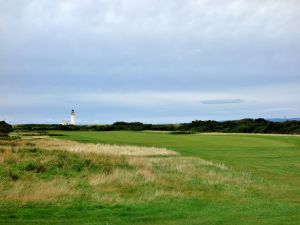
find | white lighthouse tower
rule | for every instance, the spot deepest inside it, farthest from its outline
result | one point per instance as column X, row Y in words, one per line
column 72, row 119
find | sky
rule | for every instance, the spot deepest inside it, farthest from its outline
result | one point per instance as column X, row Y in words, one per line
column 151, row 61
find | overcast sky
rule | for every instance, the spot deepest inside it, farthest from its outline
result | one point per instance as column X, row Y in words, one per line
column 156, row 61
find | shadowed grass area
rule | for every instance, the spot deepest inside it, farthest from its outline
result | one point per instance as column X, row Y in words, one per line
column 206, row 184
column 181, row 212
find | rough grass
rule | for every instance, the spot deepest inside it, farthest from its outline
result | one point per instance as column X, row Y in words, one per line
column 50, row 181
column 33, row 174
column 72, row 146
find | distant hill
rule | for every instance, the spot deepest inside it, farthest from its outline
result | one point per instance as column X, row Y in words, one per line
column 283, row 119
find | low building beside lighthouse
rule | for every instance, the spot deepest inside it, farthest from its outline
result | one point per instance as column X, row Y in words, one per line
column 72, row 120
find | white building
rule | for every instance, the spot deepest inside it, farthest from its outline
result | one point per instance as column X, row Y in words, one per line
column 72, row 120
column 65, row 122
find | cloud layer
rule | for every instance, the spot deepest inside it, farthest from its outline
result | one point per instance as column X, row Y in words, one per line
column 148, row 60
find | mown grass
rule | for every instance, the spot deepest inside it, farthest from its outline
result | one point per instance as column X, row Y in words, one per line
column 217, row 179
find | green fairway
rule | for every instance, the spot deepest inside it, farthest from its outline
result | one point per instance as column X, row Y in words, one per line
column 215, row 179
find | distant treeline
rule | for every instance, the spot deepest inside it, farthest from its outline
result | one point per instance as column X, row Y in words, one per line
column 234, row 126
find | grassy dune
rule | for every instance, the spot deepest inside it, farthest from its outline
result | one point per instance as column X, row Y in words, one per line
column 212, row 179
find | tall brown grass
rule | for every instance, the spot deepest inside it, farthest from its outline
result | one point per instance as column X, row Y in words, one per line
column 28, row 191
column 72, row 146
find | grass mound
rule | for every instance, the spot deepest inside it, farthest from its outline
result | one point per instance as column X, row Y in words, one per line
column 111, row 178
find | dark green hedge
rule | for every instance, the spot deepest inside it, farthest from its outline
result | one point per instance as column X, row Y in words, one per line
column 234, row 126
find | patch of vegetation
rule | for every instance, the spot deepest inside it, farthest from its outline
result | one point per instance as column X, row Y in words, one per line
column 13, row 175
column 48, row 165
column 9, row 138
column 54, row 134
column 34, row 133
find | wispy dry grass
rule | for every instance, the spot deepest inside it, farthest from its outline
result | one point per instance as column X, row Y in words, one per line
column 72, row 146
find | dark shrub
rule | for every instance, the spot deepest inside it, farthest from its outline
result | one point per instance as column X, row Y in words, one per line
column 182, row 132
column 5, row 128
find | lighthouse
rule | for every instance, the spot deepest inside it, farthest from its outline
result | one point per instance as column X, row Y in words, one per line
column 72, row 119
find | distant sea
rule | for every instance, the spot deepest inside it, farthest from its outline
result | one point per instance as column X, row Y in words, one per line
column 283, row 119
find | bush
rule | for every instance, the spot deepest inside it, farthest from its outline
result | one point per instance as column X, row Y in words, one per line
column 5, row 128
